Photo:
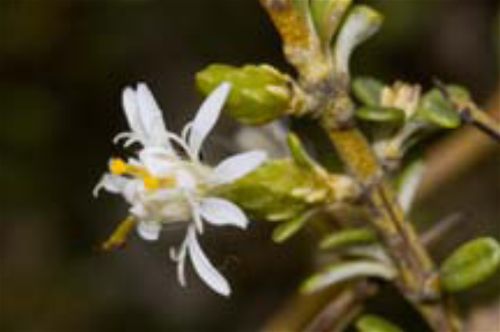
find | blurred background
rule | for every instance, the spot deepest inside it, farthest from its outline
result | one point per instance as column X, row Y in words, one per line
column 63, row 64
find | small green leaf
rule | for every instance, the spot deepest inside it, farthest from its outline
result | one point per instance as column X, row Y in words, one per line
column 458, row 93
column 340, row 272
column 380, row 114
column 435, row 109
column 327, row 15
column 289, row 228
column 259, row 93
column 372, row 323
column 367, row 90
column 348, row 237
column 361, row 23
column 299, row 154
column 470, row 264
column 408, row 183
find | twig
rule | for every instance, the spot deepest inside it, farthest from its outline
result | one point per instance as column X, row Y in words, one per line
column 416, row 269
column 471, row 114
column 457, row 153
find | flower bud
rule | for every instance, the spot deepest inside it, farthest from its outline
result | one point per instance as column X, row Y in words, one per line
column 259, row 93
column 277, row 191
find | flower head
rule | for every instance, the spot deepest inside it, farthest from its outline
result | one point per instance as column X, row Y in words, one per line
column 166, row 182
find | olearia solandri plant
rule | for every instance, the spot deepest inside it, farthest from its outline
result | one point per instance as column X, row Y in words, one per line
column 364, row 202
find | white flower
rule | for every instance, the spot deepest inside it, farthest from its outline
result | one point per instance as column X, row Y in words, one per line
column 168, row 183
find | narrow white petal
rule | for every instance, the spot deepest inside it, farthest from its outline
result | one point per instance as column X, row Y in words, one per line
column 149, row 230
column 131, row 108
column 181, row 268
column 151, row 116
column 237, row 166
column 207, row 116
column 131, row 189
column 218, row 211
column 138, row 210
column 179, row 256
column 112, row 183
column 158, row 160
column 185, row 180
column 204, row 268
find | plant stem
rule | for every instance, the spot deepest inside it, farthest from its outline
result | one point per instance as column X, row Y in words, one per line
column 329, row 96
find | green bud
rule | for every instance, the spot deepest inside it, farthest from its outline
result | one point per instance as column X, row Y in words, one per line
column 259, row 93
column 327, row 15
column 348, row 237
column 344, row 271
column 471, row 264
column 372, row 323
column 361, row 23
column 277, row 191
column 435, row 109
column 368, row 90
column 380, row 114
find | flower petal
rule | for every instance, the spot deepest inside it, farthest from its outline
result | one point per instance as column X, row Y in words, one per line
column 158, row 160
column 131, row 108
column 235, row 167
column 149, row 230
column 219, row 212
column 207, row 116
column 111, row 183
column 151, row 116
column 204, row 268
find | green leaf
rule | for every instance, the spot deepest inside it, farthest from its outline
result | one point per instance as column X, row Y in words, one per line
column 435, row 109
column 361, row 23
column 299, row 154
column 372, row 323
column 458, row 93
column 367, row 90
column 470, row 264
column 408, row 183
column 348, row 237
column 259, row 93
column 380, row 114
column 327, row 15
column 340, row 272
column 287, row 229
column 277, row 191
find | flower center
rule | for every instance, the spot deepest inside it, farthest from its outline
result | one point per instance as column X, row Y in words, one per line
column 119, row 167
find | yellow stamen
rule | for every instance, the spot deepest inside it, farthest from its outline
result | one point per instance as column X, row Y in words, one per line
column 118, row 166
column 119, row 236
column 151, row 183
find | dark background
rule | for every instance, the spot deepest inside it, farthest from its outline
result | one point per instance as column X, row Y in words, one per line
column 63, row 64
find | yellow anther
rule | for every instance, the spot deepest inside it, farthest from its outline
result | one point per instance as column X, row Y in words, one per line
column 151, row 183
column 118, row 166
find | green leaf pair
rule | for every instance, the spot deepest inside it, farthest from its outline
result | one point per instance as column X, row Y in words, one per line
column 433, row 109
